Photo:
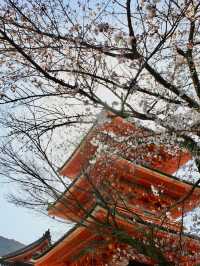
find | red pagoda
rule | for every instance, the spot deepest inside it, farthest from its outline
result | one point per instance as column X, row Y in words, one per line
column 127, row 206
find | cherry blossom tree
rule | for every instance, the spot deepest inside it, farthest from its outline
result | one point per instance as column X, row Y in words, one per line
column 63, row 61
column 141, row 54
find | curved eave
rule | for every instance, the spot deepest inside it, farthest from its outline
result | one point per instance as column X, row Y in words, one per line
column 80, row 157
column 32, row 248
column 63, row 244
column 70, row 168
column 78, row 238
column 82, row 154
column 135, row 174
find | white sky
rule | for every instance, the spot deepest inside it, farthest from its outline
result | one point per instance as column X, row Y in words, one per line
column 25, row 225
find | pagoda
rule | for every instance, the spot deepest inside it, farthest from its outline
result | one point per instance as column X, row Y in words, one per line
column 127, row 206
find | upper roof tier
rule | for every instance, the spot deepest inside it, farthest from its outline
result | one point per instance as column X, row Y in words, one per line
column 126, row 140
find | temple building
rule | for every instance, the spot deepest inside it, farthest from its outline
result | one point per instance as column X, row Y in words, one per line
column 127, row 206
column 25, row 255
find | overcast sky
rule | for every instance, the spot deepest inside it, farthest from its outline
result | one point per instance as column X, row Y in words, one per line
column 25, row 225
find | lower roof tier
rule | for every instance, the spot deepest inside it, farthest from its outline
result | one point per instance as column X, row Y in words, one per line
column 113, row 238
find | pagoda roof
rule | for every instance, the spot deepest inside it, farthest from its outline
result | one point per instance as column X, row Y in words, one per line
column 144, row 177
column 80, row 238
column 30, row 250
column 110, row 123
